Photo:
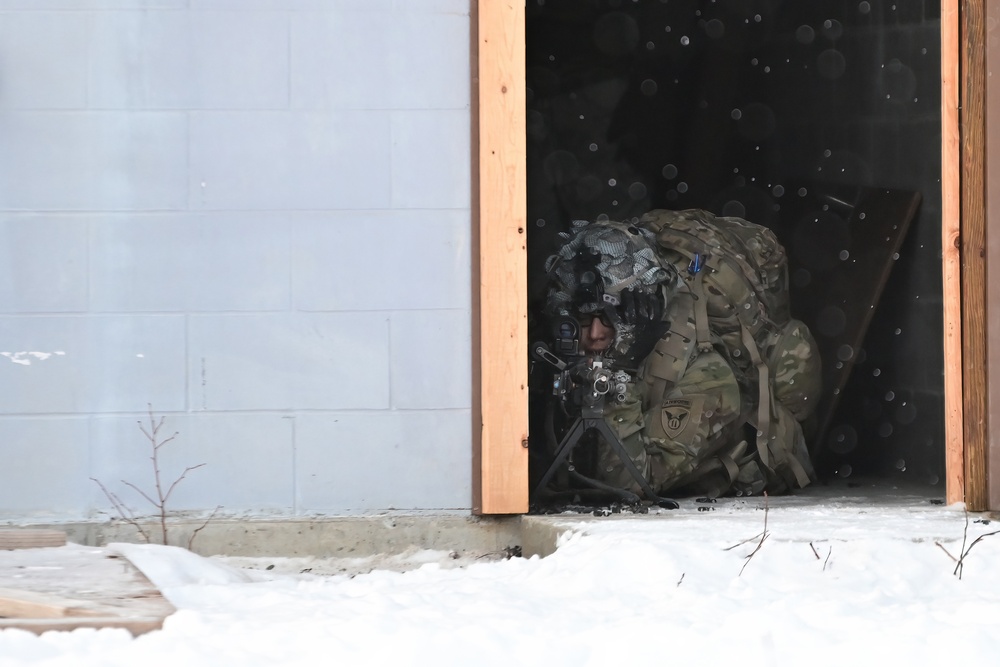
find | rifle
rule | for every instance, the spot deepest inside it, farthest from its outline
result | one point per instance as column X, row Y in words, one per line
column 582, row 384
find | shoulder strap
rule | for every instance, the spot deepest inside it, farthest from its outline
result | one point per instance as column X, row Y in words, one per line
column 764, row 396
column 670, row 357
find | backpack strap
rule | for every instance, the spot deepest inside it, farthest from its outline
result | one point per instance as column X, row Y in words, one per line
column 801, row 476
column 670, row 357
column 700, row 313
column 784, row 454
column 764, row 398
column 788, row 432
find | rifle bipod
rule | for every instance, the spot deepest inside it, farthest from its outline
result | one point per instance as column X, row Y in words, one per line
column 591, row 418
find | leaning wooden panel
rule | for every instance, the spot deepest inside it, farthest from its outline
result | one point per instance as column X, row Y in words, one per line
column 500, row 475
column 70, row 587
column 951, row 256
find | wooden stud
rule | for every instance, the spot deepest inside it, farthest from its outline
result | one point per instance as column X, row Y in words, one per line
column 500, row 413
column 992, row 148
column 951, row 256
column 973, row 250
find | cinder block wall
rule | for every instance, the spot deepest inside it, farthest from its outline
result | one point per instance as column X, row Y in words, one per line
column 254, row 216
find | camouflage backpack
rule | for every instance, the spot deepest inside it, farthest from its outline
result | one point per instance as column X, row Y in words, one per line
column 737, row 275
column 728, row 362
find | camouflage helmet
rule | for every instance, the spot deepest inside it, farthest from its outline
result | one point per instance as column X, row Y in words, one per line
column 613, row 268
column 599, row 261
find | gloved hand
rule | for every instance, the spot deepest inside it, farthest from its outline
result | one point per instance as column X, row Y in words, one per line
column 641, row 307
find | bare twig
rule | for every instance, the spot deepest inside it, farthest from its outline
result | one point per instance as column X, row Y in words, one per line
column 124, row 511
column 827, row 560
column 815, row 553
column 977, row 541
column 681, row 579
column 946, row 551
column 199, row 528
column 763, row 536
column 964, row 551
column 178, row 480
column 961, row 552
column 739, row 544
column 159, row 498
column 961, row 561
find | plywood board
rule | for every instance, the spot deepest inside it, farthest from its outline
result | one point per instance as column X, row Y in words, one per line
column 836, row 285
column 70, row 587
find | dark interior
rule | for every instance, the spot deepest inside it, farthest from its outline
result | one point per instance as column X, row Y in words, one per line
column 800, row 116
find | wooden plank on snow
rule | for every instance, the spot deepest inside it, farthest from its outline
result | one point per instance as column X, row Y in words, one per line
column 29, row 538
column 16, row 603
column 70, row 587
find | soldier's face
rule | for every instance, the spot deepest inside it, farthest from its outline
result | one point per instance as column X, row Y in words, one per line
column 596, row 333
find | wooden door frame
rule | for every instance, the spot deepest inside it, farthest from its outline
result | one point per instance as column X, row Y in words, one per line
column 991, row 132
column 500, row 399
column 500, row 278
column 970, row 354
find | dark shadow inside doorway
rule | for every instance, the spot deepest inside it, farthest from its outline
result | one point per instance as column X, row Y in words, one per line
column 771, row 111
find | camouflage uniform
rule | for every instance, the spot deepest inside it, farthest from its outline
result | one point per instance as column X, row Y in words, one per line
column 669, row 436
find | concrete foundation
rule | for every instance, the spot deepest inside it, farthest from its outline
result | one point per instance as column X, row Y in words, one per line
column 326, row 537
column 392, row 534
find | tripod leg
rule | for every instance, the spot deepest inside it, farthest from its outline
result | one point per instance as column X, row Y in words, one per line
column 621, row 494
column 562, row 453
column 616, row 444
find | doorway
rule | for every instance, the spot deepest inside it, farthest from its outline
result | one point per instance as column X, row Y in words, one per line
column 771, row 111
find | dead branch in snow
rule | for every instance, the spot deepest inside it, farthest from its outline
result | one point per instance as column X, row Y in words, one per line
column 161, row 495
column 960, row 562
column 197, row 530
column 763, row 536
column 946, row 551
column 124, row 511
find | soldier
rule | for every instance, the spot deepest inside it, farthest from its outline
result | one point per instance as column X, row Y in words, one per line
column 693, row 309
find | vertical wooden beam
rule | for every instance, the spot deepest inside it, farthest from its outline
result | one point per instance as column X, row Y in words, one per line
column 973, row 248
column 992, row 130
column 500, row 331
column 951, row 206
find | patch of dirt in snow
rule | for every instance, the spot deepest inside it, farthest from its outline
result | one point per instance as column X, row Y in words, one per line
column 410, row 559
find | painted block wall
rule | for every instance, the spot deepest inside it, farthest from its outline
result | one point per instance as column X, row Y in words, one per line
column 254, row 216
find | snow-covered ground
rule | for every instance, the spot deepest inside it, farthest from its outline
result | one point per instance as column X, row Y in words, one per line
column 843, row 582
